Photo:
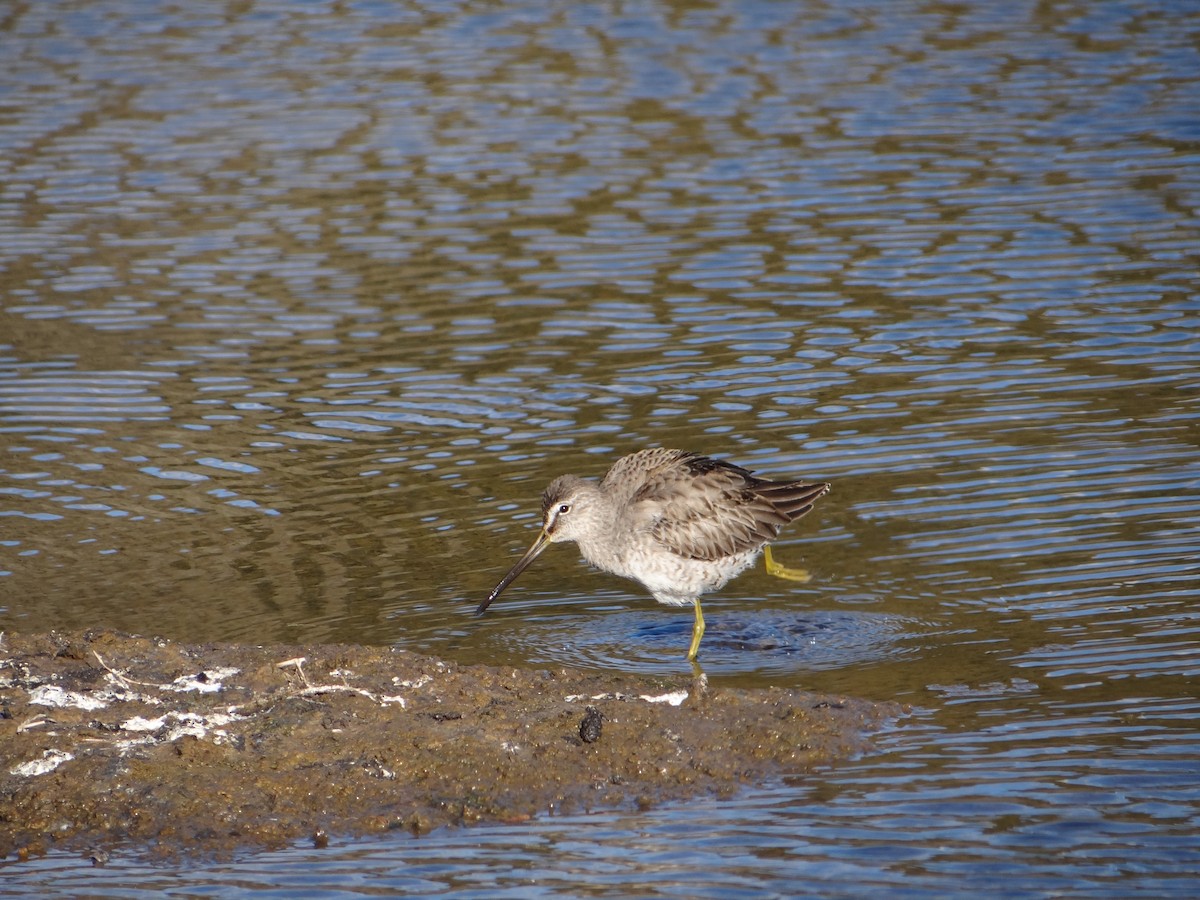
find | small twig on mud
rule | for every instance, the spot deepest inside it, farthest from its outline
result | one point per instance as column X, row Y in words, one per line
column 33, row 722
column 310, row 689
column 344, row 688
column 297, row 663
column 125, row 682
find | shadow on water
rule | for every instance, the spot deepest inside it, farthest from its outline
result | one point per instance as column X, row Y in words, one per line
column 635, row 635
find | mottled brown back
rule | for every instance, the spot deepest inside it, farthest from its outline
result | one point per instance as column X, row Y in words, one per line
column 704, row 508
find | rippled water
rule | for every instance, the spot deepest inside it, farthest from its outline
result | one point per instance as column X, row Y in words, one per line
column 302, row 305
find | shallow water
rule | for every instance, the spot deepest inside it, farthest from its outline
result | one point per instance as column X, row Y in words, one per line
column 304, row 304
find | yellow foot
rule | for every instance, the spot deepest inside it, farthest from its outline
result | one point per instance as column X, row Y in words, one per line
column 781, row 571
column 697, row 633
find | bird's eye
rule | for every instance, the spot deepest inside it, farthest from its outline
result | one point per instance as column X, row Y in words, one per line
column 565, row 508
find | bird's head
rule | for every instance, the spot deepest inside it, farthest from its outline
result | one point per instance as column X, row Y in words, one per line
column 570, row 508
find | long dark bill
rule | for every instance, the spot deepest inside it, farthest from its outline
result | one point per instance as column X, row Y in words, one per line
column 542, row 542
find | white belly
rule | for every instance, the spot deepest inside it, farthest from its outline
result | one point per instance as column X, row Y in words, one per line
column 677, row 580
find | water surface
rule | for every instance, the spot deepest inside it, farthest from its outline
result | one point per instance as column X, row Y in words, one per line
column 303, row 304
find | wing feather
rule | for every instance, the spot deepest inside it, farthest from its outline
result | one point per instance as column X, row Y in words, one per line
column 708, row 509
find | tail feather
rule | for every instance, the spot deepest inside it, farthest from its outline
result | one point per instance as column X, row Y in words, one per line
column 791, row 498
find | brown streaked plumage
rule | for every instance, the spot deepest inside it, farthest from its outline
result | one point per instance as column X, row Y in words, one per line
column 680, row 523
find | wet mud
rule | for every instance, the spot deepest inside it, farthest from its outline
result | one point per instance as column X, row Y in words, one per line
column 117, row 741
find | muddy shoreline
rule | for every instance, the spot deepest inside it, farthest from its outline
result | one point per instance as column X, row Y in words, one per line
column 110, row 740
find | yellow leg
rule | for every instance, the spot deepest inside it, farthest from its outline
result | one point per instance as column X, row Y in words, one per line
column 697, row 632
column 781, row 571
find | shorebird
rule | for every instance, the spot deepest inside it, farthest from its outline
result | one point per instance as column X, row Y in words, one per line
column 680, row 523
